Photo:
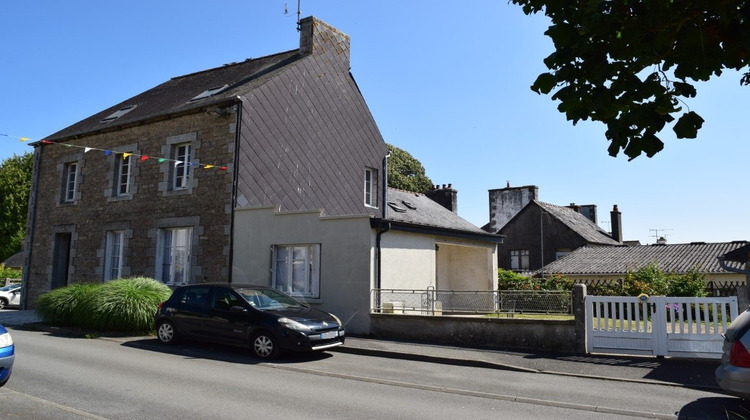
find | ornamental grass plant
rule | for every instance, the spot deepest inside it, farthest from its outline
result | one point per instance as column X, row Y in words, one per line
column 124, row 305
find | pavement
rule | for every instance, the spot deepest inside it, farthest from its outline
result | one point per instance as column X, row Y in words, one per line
column 690, row 373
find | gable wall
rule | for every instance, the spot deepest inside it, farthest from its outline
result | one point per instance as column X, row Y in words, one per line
column 206, row 208
column 306, row 138
column 524, row 232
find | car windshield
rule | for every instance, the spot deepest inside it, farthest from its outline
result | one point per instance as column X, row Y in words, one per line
column 268, row 299
column 9, row 288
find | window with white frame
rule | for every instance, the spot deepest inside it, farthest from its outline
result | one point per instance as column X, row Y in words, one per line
column 370, row 188
column 113, row 255
column 296, row 269
column 181, row 172
column 123, row 164
column 173, row 259
column 70, row 182
column 519, row 259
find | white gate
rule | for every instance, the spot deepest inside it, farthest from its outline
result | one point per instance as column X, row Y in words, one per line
column 658, row 326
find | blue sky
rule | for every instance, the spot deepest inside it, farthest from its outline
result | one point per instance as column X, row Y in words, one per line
column 446, row 81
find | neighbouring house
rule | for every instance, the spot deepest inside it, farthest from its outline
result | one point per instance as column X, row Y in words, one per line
column 610, row 263
column 537, row 233
column 738, row 261
column 268, row 171
column 15, row 261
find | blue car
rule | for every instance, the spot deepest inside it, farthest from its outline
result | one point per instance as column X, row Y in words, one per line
column 7, row 354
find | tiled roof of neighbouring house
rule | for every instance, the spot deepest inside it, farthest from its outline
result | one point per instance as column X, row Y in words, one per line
column 16, row 260
column 676, row 258
column 579, row 223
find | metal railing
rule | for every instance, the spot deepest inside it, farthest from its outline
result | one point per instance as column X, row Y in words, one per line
column 438, row 302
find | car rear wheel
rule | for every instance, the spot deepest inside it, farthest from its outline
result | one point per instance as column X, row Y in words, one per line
column 3, row 303
column 264, row 345
column 166, row 333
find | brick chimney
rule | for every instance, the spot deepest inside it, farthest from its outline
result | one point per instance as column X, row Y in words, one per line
column 616, row 224
column 321, row 39
column 506, row 202
column 445, row 196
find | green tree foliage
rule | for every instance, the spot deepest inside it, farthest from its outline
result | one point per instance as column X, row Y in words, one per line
column 630, row 63
column 15, row 186
column 510, row 280
column 405, row 172
column 652, row 281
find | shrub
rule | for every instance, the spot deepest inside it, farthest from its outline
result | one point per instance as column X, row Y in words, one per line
column 118, row 305
column 556, row 282
column 125, row 304
column 690, row 284
column 510, row 280
column 650, row 280
column 9, row 273
column 62, row 306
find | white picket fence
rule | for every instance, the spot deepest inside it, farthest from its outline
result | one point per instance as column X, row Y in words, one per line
column 658, row 326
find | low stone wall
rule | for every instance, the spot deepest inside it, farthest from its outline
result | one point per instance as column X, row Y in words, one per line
column 481, row 331
column 512, row 333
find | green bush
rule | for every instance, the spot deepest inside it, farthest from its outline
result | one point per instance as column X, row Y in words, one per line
column 9, row 273
column 650, row 280
column 690, row 284
column 126, row 304
column 510, row 280
column 118, row 305
column 62, row 306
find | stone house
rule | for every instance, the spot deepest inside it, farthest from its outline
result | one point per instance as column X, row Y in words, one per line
column 537, row 233
column 267, row 171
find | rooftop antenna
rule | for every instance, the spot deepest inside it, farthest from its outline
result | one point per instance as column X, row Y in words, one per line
column 299, row 12
column 656, row 234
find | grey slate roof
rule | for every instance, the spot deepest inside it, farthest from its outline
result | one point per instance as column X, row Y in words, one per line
column 579, row 223
column 741, row 254
column 174, row 96
column 418, row 209
column 16, row 260
column 677, row 258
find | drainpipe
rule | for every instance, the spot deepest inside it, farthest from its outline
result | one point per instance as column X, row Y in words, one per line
column 383, row 225
column 235, row 175
column 31, row 225
column 385, row 186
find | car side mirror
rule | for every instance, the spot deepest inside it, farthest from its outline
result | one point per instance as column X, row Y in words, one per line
column 237, row 309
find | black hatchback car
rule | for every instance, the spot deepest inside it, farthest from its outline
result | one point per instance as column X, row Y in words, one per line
column 265, row 319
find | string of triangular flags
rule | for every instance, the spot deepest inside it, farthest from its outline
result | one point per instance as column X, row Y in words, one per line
column 106, row 152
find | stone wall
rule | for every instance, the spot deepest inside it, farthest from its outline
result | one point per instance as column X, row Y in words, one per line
column 205, row 205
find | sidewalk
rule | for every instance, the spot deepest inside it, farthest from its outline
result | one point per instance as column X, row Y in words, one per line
column 692, row 373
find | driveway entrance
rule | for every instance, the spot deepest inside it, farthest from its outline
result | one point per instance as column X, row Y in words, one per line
column 658, row 326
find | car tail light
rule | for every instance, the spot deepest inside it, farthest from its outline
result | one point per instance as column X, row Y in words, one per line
column 158, row 308
column 739, row 355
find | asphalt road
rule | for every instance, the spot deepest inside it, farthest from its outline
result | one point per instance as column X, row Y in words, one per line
column 59, row 377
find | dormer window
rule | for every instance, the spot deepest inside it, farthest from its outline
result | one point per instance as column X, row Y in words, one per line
column 396, row 207
column 409, row 205
column 210, row 92
column 117, row 114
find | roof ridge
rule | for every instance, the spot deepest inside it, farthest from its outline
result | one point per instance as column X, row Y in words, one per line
column 232, row 64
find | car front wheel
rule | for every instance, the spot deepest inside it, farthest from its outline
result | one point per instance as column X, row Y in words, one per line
column 3, row 303
column 166, row 333
column 264, row 345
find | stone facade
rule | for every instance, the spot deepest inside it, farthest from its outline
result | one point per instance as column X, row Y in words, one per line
column 205, row 206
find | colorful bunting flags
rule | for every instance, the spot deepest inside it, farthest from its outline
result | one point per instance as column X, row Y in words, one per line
column 142, row 158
